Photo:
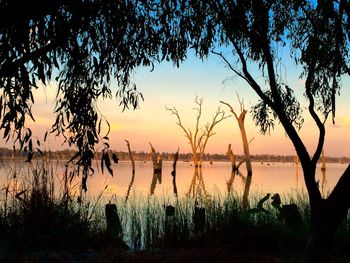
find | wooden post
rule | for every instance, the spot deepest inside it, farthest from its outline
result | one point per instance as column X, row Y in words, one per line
column 199, row 219
column 170, row 227
column 114, row 228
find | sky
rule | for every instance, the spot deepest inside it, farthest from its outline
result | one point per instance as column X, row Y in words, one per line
column 168, row 86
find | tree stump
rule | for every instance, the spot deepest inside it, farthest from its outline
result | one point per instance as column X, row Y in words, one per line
column 170, row 226
column 169, row 210
column 199, row 219
column 291, row 216
column 114, row 228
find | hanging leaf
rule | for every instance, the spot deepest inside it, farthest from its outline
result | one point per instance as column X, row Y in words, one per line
column 45, row 136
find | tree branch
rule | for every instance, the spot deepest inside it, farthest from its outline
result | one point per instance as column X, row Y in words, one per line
column 229, row 65
column 175, row 112
column 319, row 123
column 9, row 66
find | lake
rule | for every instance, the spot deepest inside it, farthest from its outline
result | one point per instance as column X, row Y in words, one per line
column 214, row 178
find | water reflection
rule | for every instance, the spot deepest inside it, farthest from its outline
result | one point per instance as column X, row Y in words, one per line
column 130, row 185
column 248, row 182
column 157, row 176
column 197, row 187
column 297, row 175
column 323, row 181
column 173, row 172
column 230, row 181
column 279, row 178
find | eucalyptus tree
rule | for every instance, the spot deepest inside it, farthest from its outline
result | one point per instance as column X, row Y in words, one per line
column 81, row 45
column 84, row 44
column 316, row 34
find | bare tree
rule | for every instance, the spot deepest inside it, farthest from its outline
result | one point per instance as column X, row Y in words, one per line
column 156, row 159
column 131, row 156
column 199, row 138
column 240, row 119
column 232, row 157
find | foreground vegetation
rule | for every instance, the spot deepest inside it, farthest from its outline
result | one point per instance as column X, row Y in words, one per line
column 38, row 216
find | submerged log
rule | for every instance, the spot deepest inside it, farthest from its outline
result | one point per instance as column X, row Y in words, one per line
column 260, row 206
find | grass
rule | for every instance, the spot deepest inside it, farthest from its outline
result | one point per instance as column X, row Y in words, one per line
column 36, row 214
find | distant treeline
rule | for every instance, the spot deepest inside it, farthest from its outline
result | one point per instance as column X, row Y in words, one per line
column 66, row 154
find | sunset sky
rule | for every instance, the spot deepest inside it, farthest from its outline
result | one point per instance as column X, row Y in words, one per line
column 171, row 86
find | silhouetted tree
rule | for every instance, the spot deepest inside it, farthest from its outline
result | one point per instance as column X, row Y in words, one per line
column 316, row 34
column 82, row 45
column 89, row 42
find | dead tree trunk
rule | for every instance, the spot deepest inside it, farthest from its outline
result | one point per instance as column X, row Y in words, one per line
column 240, row 120
column 131, row 157
column 156, row 159
column 157, row 169
column 231, row 156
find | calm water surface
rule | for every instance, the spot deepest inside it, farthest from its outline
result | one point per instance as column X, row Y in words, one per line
column 267, row 178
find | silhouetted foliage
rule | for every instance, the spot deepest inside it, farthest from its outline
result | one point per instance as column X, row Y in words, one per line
column 82, row 45
column 91, row 42
column 316, row 35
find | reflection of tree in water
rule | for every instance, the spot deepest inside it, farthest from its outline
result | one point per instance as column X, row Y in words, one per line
column 232, row 179
column 323, row 170
column 130, row 185
column 173, row 172
column 157, row 169
column 157, row 176
column 197, row 187
column 229, row 183
column 324, row 181
column 246, row 181
column 133, row 171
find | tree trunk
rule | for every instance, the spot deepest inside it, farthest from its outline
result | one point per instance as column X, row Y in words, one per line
column 318, row 246
column 245, row 146
column 323, row 228
column 232, row 158
column 326, row 217
column 245, row 201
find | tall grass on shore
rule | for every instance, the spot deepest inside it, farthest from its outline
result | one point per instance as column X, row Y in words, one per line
column 227, row 224
column 40, row 212
column 35, row 213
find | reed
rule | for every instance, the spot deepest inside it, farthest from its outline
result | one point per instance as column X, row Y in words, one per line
column 40, row 212
column 36, row 214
